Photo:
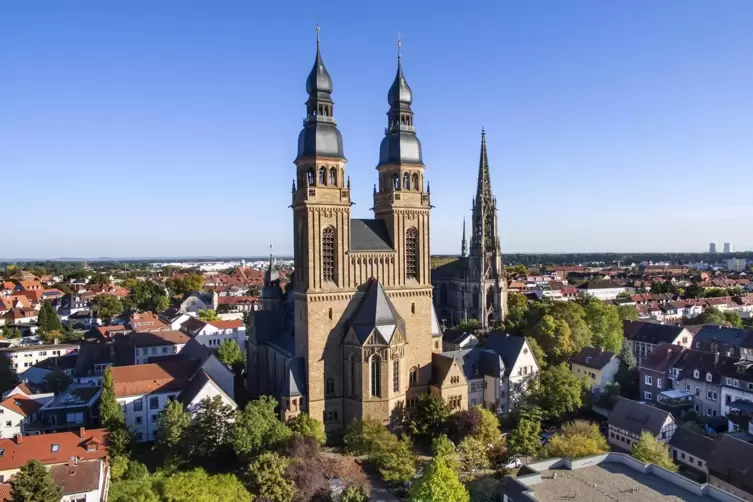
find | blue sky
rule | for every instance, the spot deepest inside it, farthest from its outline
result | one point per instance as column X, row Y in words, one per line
column 142, row 128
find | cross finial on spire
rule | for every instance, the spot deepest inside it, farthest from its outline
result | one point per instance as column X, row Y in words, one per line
column 399, row 46
column 317, row 34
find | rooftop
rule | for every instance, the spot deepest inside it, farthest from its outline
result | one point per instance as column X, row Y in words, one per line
column 54, row 448
column 165, row 376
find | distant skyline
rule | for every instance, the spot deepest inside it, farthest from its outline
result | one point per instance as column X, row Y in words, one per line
column 169, row 128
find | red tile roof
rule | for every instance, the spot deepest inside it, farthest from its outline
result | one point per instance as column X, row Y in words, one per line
column 238, row 300
column 109, row 331
column 6, row 492
column 81, row 477
column 235, row 323
column 147, row 321
column 21, row 404
column 166, row 376
column 86, row 446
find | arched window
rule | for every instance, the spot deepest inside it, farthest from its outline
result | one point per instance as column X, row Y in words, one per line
column 310, row 176
column 353, row 381
column 322, row 176
column 333, row 176
column 411, row 253
column 396, row 181
column 330, row 387
column 329, row 255
column 406, row 181
column 413, row 376
column 415, row 181
column 376, row 376
column 490, row 297
column 396, row 375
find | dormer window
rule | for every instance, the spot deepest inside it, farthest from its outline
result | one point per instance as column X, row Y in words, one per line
column 708, row 377
column 588, row 359
column 696, row 374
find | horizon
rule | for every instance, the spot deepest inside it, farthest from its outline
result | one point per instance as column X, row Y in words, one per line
column 170, row 129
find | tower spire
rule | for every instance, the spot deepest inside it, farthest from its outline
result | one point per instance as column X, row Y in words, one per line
column 484, row 236
column 464, row 243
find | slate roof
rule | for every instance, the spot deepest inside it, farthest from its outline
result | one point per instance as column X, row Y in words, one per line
column 436, row 328
column 704, row 362
column 295, row 379
column 456, row 337
column 735, row 337
column 80, row 478
column 369, row 235
column 663, row 357
column 593, row 357
column 636, row 417
column 732, row 461
column 507, row 346
column 197, row 382
column 375, row 312
column 698, row 445
column 650, row 332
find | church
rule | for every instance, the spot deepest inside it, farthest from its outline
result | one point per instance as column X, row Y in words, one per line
column 355, row 331
column 474, row 286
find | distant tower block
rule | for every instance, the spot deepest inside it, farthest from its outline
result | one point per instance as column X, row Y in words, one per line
column 712, row 247
column 728, row 247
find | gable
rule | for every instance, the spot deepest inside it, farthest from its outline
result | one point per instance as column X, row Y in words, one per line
column 208, row 391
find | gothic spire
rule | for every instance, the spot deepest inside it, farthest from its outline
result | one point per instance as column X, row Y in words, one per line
column 484, row 207
column 464, row 243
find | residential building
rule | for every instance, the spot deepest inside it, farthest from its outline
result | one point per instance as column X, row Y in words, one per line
column 193, row 302
column 213, row 333
column 513, row 370
column 599, row 366
column 174, row 318
column 736, row 264
column 654, row 371
column 18, row 316
column 147, row 322
column 629, row 419
column 23, row 357
column 448, row 380
column 474, row 286
column 730, row 467
column 234, row 304
column 16, row 413
column 692, row 450
column 642, row 336
column 75, row 407
column 731, row 342
column 71, row 304
column 737, row 395
column 148, row 346
column 144, row 390
column 458, row 340
column 602, row 290
column 700, row 374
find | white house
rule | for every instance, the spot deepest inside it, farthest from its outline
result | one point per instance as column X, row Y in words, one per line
column 15, row 412
column 508, row 370
column 212, row 333
column 23, row 357
column 157, row 344
column 144, row 390
column 602, row 290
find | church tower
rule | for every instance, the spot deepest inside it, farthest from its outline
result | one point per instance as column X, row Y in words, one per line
column 486, row 252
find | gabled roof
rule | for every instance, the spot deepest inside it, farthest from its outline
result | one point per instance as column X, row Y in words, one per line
column 158, row 338
column 735, row 337
column 163, row 376
column 80, row 477
column 375, row 312
column 693, row 443
column 596, row 284
column 369, row 235
column 196, row 384
column 456, row 337
column 21, row 404
column 507, row 346
column 295, row 379
column 636, row 417
column 732, row 461
column 593, row 357
column 53, row 448
column 443, row 362
column 650, row 332
column 663, row 357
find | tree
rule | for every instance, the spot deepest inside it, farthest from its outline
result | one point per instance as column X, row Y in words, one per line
column 627, row 313
column 306, row 426
column 56, row 381
column 198, row 486
column 174, row 422
column 624, row 296
column 517, row 309
column 257, row 428
column 207, row 315
column 650, row 450
column 443, row 449
column 229, row 352
column 476, row 422
column 110, row 412
column 472, row 454
column 553, row 336
column 693, row 290
column 556, row 391
column 733, row 319
column 161, row 302
column 576, row 440
column 210, row 430
column 10, row 332
column 525, row 438
column 711, row 315
column 538, row 352
column 268, row 479
column 354, row 493
column 395, row 460
column 47, row 319
column 33, row 483
column 193, row 282
column 429, row 417
column 605, row 324
column 626, row 356
column 107, row 305
column 439, row 483
column 136, row 490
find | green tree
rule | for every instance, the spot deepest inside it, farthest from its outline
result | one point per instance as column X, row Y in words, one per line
column 693, row 290
column 714, row 292
column 396, row 461
column 48, row 319
column 307, row 426
column 576, row 440
column 556, row 391
column 444, row 450
column 198, row 486
column 354, row 493
column 257, row 428
column 553, row 336
column 268, row 479
column 439, row 483
column 624, row 296
column 10, row 332
column 33, row 483
column 627, row 313
column 733, row 319
column 229, row 352
column 429, row 416
column 473, row 457
column 8, row 377
column 517, row 310
column 476, row 422
column 207, row 315
column 538, row 352
column 650, row 450
column 107, row 306
column 524, row 439
column 711, row 315
column 575, row 316
column 605, row 324
column 161, row 302
column 110, row 412
column 370, row 438
column 193, row 282
column 174, row 423
column 211, row 429
column 56, row 381
column 132, row 490
column 626, row 356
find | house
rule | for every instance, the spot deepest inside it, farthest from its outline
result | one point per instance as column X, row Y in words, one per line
column 38, row 372
column 730, row 467
column 458, row 340
column 654, row 370
column 692, row 450
column 643, row 336
column 447, row 380
column 93, row 357
column 195, row 301
column 212, row 333
column 75, row 407
column 515, row 367
column 144, row 390
column 111, row 331
column 147, row 322
column 737, row 395
column 70, row 304
column 598, row 365
column 23, row 357
column 700, row 374
column 157, row 344
column 55, row 449
column 16, row 413
column 18, row 316
column 174, row 318
column 602, row 290
column 731, row 342
column 629, row 419
column 234, row 304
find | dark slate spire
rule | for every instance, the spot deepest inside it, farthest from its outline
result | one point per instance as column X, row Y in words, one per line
column 484, row 237
column 320, row 136
column 464, row 243
column 400, row 144
column 376, row 313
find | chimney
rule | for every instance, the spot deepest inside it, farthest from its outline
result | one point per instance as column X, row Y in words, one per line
column 19, row 439
column 716, row 358
column 81, row 432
